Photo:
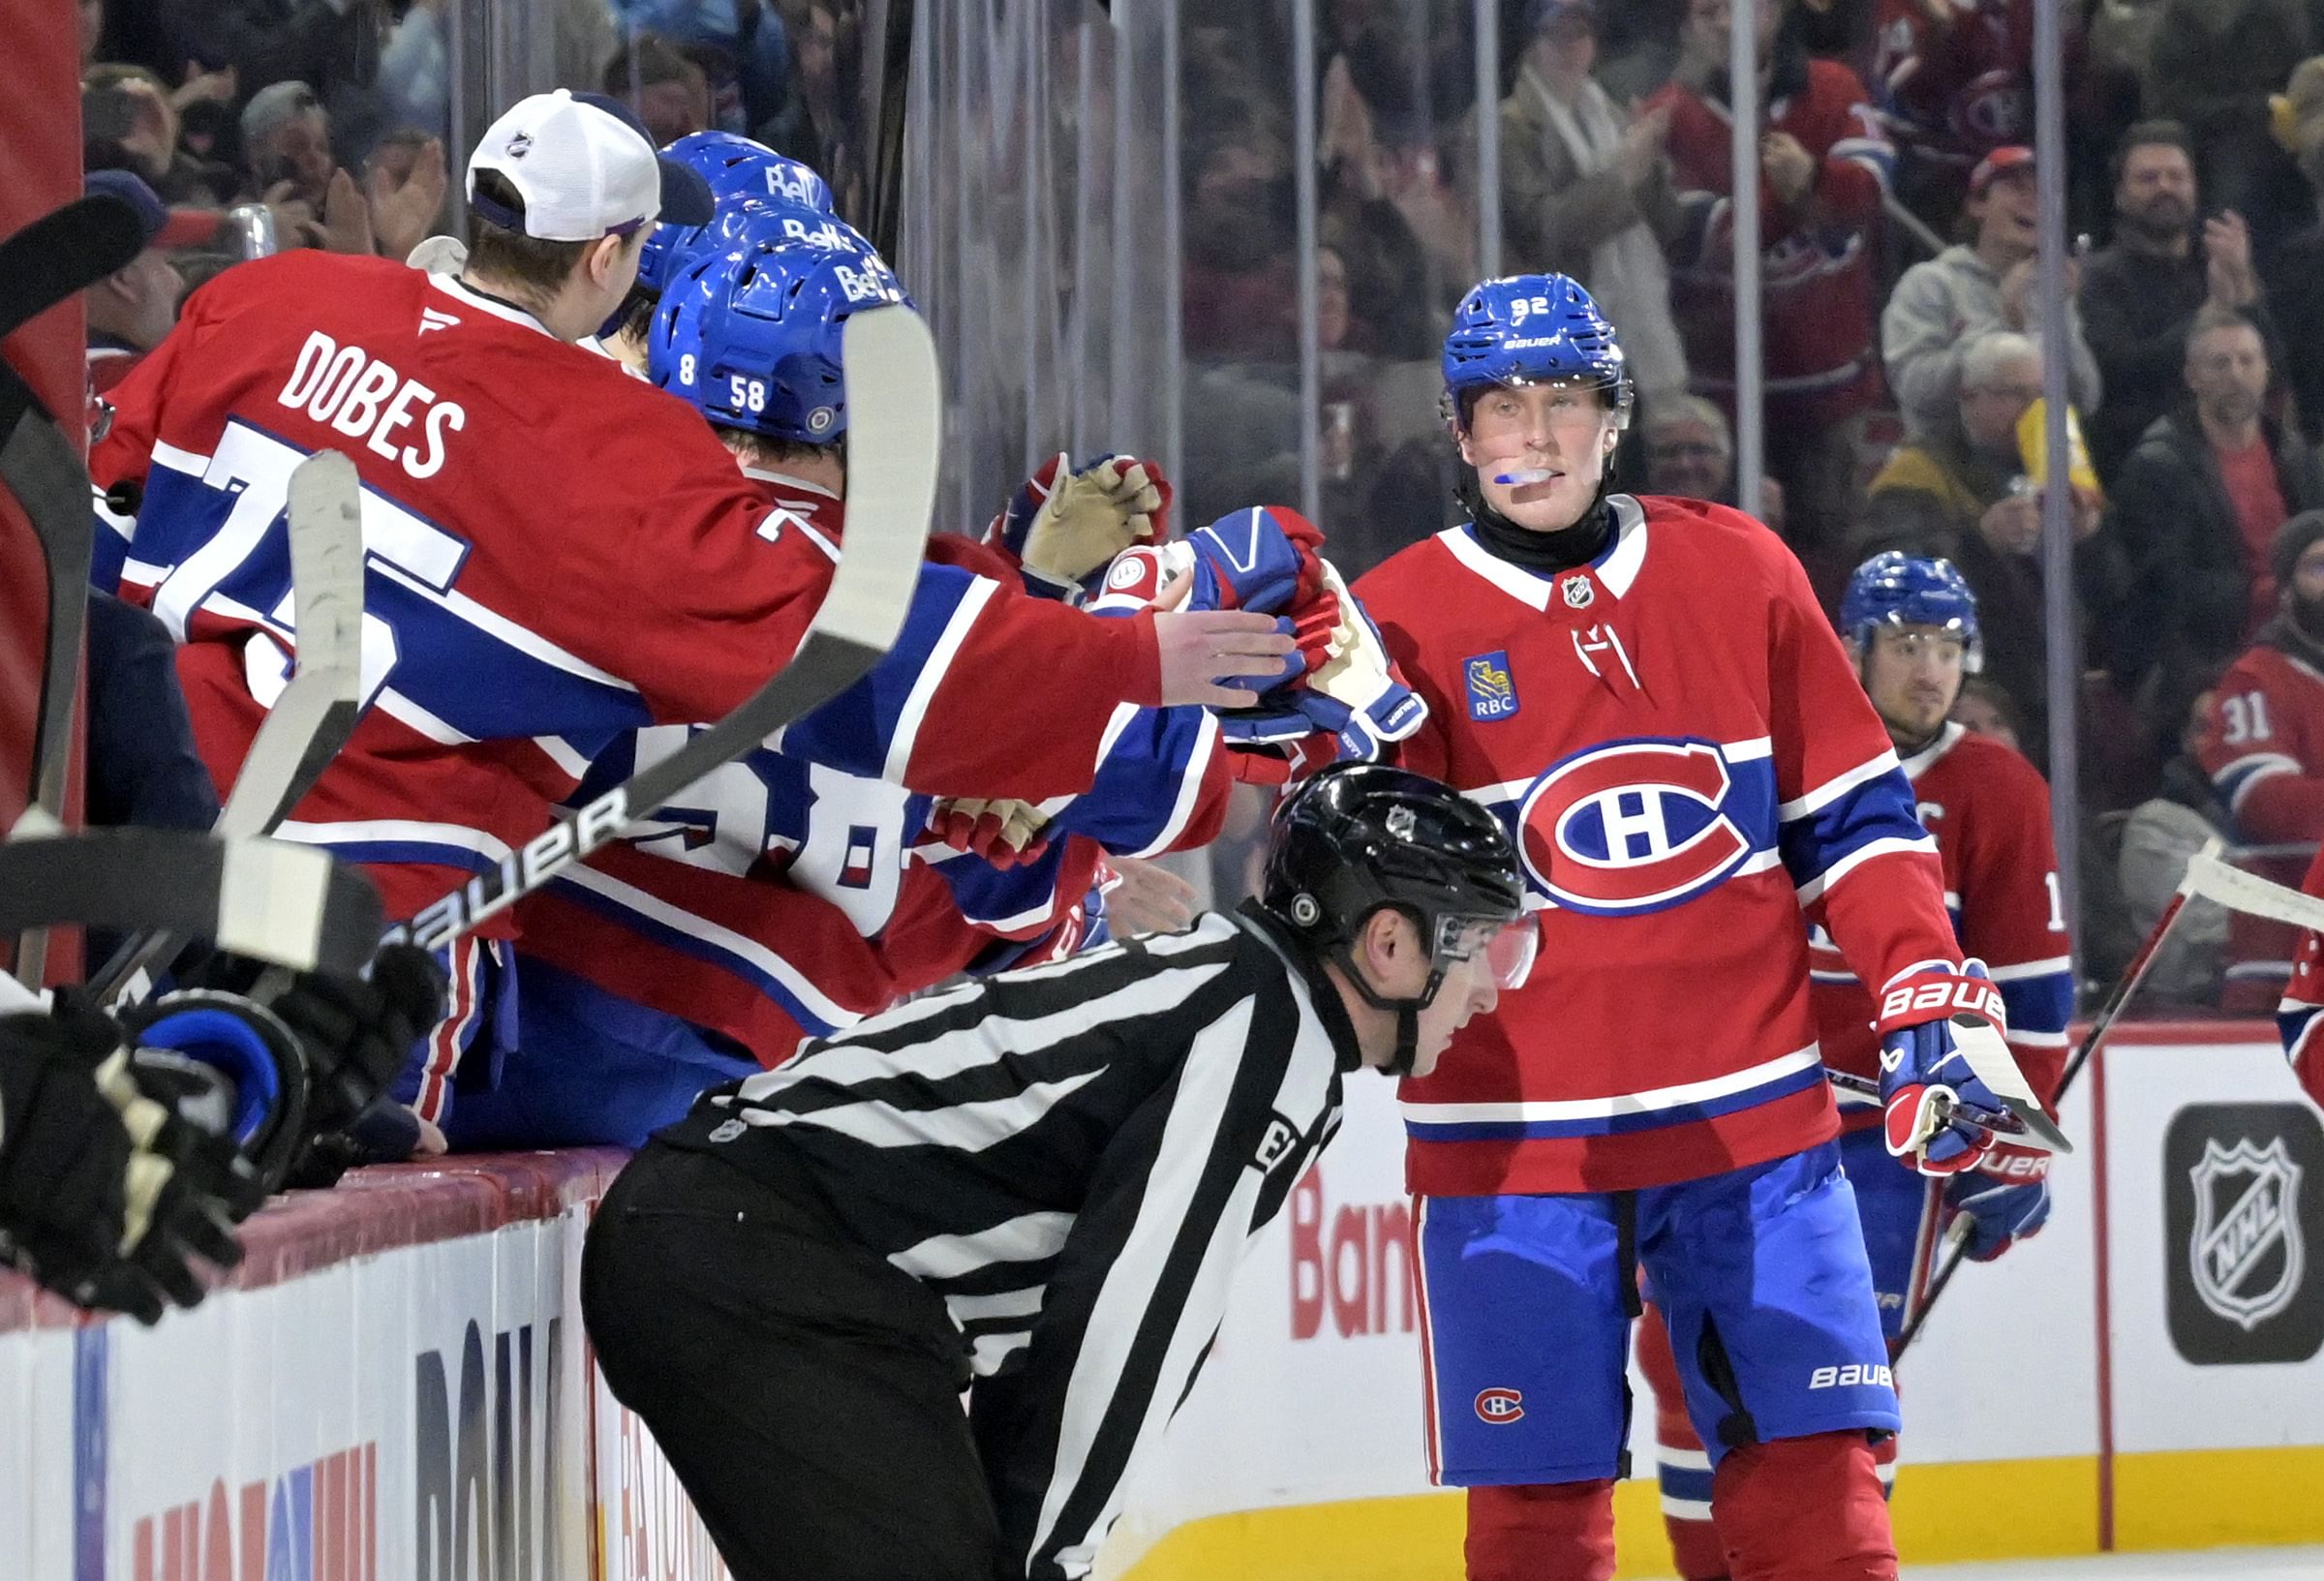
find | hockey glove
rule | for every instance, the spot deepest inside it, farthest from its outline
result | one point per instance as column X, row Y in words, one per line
column 1063, row 522
column 1925, row 1077
column 1260, row 559
column 1355, row 695
column 358, row 1034
column 1002, row 834
column 2004, row 1200
column 110, row 1196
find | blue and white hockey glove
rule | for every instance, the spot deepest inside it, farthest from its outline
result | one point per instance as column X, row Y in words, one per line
column 1260, row 559
column 1355, row 694
column 2004, row 1200
column 1924, row 1075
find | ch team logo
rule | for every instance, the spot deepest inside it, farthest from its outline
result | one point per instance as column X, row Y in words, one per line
column 1632, row 826
column 1500, row 1406
column 2246, row 1255
column 1493, row 691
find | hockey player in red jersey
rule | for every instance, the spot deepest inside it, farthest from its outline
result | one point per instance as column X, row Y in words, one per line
column 1911, row 626
column 2262, row 742
column 796, row 890
column 557, row 553
column 1647, row 694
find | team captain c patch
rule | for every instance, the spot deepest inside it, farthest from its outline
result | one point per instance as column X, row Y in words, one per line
column 1492, row 693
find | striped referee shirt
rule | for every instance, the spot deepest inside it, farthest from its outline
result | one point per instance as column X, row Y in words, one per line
column 1075, row 1157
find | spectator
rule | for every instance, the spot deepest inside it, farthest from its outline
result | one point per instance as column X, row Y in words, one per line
column 1984, row 709
column 287, row 143
column 1584, row 195
column 817, row 124
column 2294, row 272
column 1957, row 83
column 668, row 90
column 416, row 85
column 1690, row 453
column 331, row 44
column 1965, row 495
column 1824, row 163
column 2140, row 295
column 2158, row 837
column 2214, row 64
column 130, row 120
column 131, row 310
column 2196, row 507
column 1941, row 306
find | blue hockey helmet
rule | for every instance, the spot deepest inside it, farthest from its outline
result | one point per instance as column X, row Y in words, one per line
column 750, row 338
column 1896, row 589
column 738, row 224
column 738, row 168
column 1530, row 330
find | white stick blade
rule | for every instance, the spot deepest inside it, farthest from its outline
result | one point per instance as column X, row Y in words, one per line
column 895, row 434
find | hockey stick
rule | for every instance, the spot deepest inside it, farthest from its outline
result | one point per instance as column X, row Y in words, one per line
column 316, row 712
column 41, row 265
column 294, row 905
column 64, row 251
column 2206, row 876
column 895, row 430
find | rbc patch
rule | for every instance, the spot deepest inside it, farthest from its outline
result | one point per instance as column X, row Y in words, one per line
column 1492, row 693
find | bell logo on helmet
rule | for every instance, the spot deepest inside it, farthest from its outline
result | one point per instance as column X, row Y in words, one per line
column 1500, row 1406
column 1577, row 590
column 1632, row 826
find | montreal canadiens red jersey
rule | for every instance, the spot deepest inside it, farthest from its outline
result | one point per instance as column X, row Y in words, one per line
column 1989, row 811
column 1817, row 266
column 2262, row 743
column 557, row 553
column 1681, row 749
column 782, row 897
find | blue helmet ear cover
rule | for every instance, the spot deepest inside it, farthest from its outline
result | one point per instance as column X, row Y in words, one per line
column 250, row 1048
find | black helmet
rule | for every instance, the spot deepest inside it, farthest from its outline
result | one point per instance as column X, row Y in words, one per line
column 1358, row 837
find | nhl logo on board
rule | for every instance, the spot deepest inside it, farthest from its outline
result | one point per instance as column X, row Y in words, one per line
column 1500, row 1406
column 1578, row 591
column 2244, row 1255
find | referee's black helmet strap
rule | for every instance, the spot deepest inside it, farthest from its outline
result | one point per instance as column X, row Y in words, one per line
column 1359, row 837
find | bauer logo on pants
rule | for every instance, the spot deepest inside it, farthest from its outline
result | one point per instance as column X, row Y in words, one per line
column 2241, row 1184
column 1500, row 1406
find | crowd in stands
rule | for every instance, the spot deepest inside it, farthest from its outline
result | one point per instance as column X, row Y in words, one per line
column 1903, row 334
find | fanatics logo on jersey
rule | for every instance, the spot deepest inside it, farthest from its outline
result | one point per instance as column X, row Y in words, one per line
column 1577, row 590
column 1492, row 692
column 1500, row 1406
column 1632, row 826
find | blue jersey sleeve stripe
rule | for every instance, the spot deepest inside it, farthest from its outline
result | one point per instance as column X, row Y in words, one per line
column 2040, row 1004
column 1874, row 815
column 872, row 725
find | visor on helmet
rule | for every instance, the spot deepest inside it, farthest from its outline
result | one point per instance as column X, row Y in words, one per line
column 1508, row 947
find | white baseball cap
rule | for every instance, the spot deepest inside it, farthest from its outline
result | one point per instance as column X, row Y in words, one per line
column 585, row 167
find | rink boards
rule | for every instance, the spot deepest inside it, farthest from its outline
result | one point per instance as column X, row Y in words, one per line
column 397, row 1386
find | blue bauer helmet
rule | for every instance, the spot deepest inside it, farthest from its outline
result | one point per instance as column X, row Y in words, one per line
column 1529, row 330
column 750, row 338
column 1897, row 589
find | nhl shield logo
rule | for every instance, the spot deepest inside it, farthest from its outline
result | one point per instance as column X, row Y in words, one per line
column 2245, row 1254
column 1577, row 590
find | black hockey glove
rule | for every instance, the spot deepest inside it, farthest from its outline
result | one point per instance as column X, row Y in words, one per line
column 358, row 1034
column 107, row 1195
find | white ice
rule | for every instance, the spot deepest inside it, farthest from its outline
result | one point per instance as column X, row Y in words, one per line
column 2237, row 1564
